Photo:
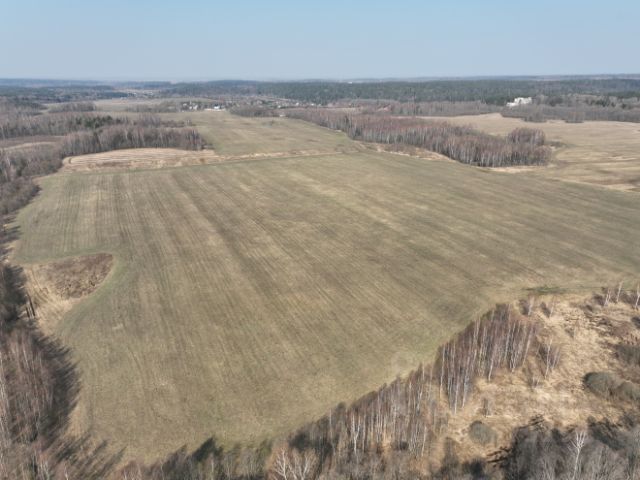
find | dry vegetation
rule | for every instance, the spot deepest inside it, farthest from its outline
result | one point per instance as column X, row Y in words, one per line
column 153, row 158
column 585, row 337
column 35, row 142
column 517, row 376
column 56, row 287
column 247, row 298
column 231, row 135
column 523, row 146
column 78, row 276
column 601, row 153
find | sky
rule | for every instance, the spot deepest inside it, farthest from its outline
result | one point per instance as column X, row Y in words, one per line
column 329, row 39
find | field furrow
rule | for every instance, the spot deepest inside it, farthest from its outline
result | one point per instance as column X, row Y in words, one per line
column 247, row 298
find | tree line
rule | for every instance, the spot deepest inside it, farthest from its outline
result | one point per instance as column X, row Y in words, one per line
column 461, row 143
column 73, row 107
column 395, row 432
column 572, row 108
column 436, row 108
column 21, row 124
column 600, row 450
column 130, row 136
column 51, row 91
column 73, row 132
column 386, row 433
column 573, row 114
column 38, row 386
column 496, row 91
column 573, row 100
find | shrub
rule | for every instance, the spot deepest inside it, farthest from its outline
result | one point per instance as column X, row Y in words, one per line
column 629, row 354
column 602, row 383
column 532, row 136
column 481, row 433
column 628, row 392
column 610, row 385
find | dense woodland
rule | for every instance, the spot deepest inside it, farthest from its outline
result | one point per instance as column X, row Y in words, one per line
column 573, row 99
column 438, row 109
column 495, row 91
column 569, row 99
column 52, row 91
column 464, row 144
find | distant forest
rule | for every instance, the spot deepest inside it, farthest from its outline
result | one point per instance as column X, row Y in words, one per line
column 572, row 99
column 489, row 91
column 495, row 91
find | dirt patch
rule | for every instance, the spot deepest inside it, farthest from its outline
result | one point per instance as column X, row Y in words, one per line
column 152, row 158
column 77, row 277
column 408, row 150
column 55, row 288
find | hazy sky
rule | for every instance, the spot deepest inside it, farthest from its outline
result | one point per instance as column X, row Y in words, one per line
column 209, row 39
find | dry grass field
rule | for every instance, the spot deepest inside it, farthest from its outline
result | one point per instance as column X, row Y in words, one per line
column 601, row 153
column 248, row 297
column 234, row 135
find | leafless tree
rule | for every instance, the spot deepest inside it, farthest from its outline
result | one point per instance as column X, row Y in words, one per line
column 576, row 445
column 550, row 356
column 607, row 298
column 618, row 292
column 461, row 143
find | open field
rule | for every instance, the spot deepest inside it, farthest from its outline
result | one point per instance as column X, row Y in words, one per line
column 234, row 135
column 230, row 138
column 231, row 135
column 246, row 298
column 601, row 153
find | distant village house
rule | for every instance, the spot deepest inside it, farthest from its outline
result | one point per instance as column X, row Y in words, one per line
column 520, row 101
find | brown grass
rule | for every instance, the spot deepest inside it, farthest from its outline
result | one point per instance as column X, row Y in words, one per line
column 153, row 158
column 587, row 335
column 247, row 298
column 56, row 287
column 601, row 153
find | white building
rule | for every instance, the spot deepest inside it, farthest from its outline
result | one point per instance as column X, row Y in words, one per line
column 520, row 101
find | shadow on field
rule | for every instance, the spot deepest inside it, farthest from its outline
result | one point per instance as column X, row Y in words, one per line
column 40, row 390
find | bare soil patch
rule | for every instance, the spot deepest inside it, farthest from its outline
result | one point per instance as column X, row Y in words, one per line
column 78, row 276
column 56, row 287
column 153, row 158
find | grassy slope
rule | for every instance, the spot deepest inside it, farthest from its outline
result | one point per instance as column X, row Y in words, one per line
column 249, row 297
